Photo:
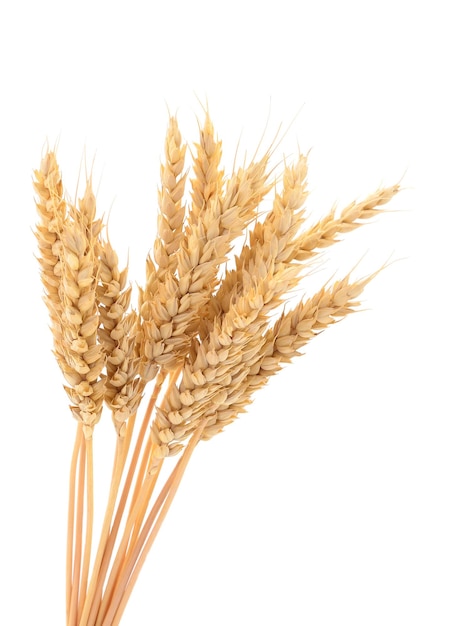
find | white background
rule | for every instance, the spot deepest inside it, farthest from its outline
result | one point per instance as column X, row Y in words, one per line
column 333, row 501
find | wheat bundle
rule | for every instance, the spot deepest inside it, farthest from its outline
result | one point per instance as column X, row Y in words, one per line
column 205, row 336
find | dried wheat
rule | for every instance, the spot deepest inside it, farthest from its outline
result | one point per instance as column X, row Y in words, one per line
column 172, row 314
column 119, row 334
column 84, row 356
column 222, row 358
column 324, row 233
column 212, row 334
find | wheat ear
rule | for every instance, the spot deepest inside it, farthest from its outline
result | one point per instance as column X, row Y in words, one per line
column 52, row 210
column 172, row 209
column 325, row 232
column 219, row 362
column 119, row 334
column 286, row 338
column 218, row 216
column 84, row 355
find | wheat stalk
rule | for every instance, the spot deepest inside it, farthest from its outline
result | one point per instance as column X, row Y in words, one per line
column 208, row 336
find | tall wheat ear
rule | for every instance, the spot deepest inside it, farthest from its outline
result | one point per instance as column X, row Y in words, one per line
column 210, row 330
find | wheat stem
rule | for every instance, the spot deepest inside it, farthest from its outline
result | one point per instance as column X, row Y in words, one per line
column 117, row 567
column 148, row 466
column 148, row 444
column 145, row 483
column 149, row 532
column 71, row 515
column 105, row 546
column 119, row 458
column 89, row 524
column 79, row 517
column 110, row 542
column 148, row 487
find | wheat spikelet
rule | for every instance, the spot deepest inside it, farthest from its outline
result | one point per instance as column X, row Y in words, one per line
column 285, row 338
column 278, row 346
column 222, row 357
column 173, row 313
column 208, row 175
column 66, row 239
column 84, row 359
column 165, row 303
column 273, row 238
column 170, row 219
column 324, row 233
column 119, row 334
column 52, row 210
column 172, row 209
column 216, row 374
